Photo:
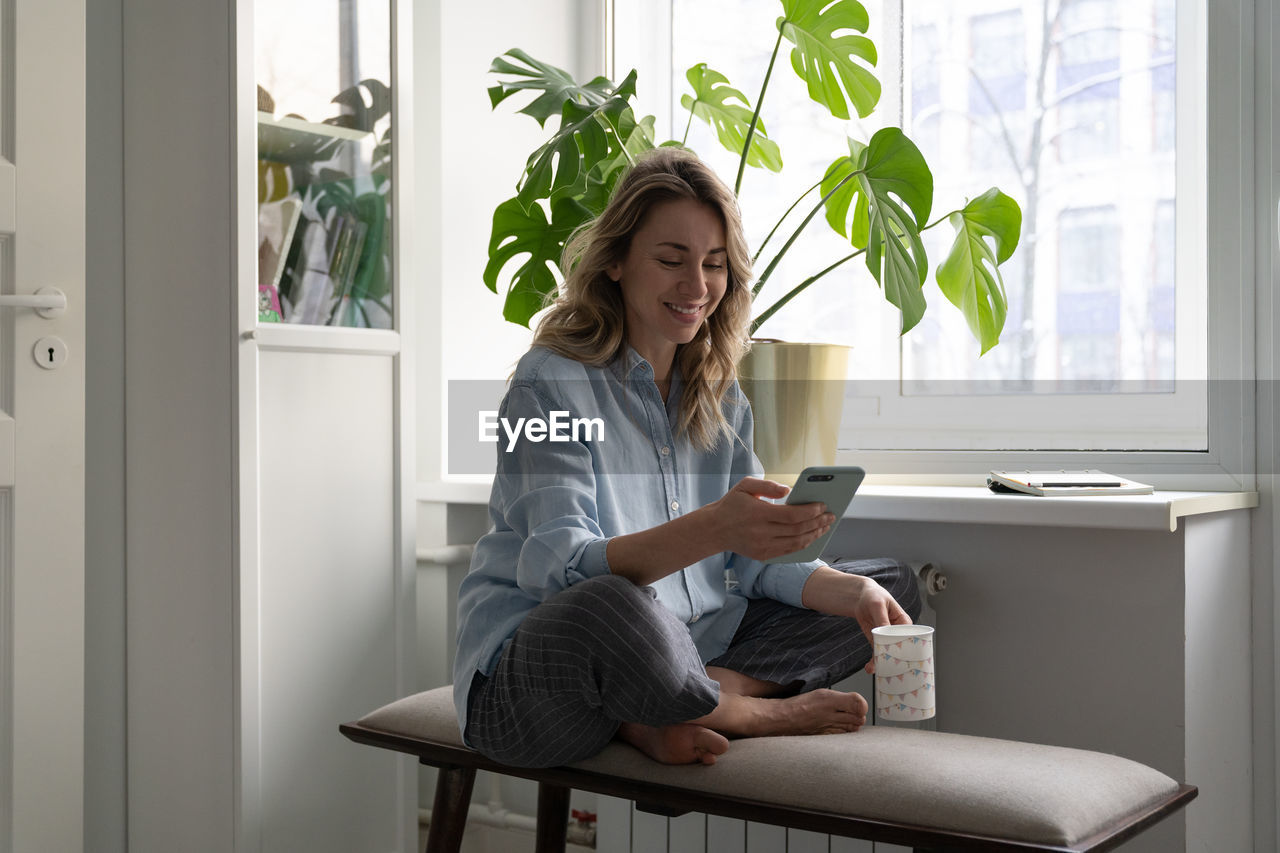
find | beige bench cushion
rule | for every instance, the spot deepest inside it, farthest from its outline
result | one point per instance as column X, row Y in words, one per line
column 1017, row 791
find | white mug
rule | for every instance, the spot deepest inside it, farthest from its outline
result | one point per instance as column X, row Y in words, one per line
column 906, row 688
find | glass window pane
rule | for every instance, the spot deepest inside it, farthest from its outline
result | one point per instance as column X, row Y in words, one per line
column 1087, row 35
column 1074, row 119
column 1067, row 107
column 324, row 162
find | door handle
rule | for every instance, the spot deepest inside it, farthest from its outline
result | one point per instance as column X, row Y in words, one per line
column 48, row 301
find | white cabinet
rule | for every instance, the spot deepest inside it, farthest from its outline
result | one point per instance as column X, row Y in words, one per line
column 270, row 506
column 327, row 594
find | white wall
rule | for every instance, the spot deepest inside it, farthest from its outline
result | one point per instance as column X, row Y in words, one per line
column 105, row 793
column 179, row 403
column 179, row 440
column 469, row 159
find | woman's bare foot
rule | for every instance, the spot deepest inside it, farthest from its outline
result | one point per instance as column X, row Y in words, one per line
column 701, row 740
column 682, row 743
column 819, row 712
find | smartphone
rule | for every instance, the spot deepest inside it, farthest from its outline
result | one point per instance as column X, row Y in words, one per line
column 832, row 485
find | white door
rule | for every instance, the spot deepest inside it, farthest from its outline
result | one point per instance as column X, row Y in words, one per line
column 42, row 191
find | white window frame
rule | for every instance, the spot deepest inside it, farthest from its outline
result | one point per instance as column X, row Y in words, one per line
column 1221, row 101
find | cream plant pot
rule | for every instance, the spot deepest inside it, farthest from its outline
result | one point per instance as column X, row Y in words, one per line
column 797, row 396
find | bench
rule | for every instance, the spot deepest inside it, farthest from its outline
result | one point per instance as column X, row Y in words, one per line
column 923, row 789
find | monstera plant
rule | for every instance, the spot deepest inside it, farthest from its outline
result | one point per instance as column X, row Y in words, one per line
column 878, row 195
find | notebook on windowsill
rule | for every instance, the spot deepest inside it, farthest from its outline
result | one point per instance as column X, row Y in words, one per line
column 1064, row 483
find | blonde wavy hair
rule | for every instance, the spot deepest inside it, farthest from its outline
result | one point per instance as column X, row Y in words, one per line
column 587, row 320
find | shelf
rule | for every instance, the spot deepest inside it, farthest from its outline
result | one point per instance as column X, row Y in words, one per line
column 978, row 505
column 345, row 339
column 968, row 505
column 286, row 139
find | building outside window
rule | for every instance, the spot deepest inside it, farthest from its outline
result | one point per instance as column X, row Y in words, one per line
column 1087, row 319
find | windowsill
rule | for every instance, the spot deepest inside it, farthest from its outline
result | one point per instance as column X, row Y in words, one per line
column 978, row 505
column 968, row 505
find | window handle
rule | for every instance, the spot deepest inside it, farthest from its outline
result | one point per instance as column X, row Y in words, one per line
column 48, row 301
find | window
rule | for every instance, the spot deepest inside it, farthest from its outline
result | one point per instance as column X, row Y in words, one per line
column 324, row 165
column 1068, row 107
column 929, row 389
column 1199, row 60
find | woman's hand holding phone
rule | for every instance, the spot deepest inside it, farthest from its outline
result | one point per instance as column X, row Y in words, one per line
column 747, row 523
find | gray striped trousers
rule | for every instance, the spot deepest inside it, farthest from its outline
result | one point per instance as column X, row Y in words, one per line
column 604, row 651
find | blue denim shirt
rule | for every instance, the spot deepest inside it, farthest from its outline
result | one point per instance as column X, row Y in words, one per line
column 555, row 505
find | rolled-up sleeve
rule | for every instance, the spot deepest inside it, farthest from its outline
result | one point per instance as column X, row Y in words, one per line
column 780, row 581
column 547, row 495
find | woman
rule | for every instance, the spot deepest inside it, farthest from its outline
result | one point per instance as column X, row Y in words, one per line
column 625, row 589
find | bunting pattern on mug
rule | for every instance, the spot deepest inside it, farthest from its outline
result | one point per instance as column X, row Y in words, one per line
column 927, row 663
column 904, row 677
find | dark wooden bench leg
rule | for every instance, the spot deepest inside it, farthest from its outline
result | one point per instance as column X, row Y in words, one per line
column 553, row 818
column 449, row 811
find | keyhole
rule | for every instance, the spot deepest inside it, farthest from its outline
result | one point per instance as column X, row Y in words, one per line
column 49, row 352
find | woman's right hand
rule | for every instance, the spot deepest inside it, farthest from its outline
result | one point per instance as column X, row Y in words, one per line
column 755, row 528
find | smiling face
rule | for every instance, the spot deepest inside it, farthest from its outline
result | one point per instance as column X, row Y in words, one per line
column 673, row 276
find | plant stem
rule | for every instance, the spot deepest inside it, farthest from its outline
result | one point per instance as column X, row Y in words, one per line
column 688, row 124
column 622, row 143
column 795, row 291
column 778, row 257
column 755, row 117
column 941, row 219
column 765, row 242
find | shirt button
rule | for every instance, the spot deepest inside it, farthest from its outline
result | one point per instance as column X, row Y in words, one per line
column 695, row 619
column 665, row 451
column 675, row 506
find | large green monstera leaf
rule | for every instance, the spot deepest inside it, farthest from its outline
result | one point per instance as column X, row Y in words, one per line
column 987, row 231
column 556, row 85
column 519, row 232
column 587, row 135
column 591, row 129
column 637, row 137
column 827, row 62
column 713, row 101
column 870, row 182
column 524, row 230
